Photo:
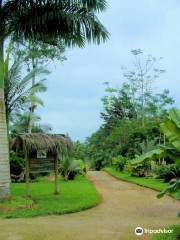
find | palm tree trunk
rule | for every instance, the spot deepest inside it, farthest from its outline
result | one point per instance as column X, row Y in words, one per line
column 4, row 146
column 31, row 112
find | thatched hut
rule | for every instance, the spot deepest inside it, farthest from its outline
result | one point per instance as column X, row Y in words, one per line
column 41, row 152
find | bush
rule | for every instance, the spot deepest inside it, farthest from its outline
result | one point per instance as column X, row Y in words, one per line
column 69, row 168
column 140, row 169
column 119, row 163
column 97, row 164
column 17, row 164
column 166, row 172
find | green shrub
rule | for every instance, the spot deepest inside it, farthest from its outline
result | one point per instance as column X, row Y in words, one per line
column 166, row 172
column 97, row 164
column 119, row 163
column 69, row 168
column 140, row 169
column 17, row 164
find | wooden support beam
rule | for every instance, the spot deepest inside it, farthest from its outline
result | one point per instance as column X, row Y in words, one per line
column 56, row 173
column 28, row 194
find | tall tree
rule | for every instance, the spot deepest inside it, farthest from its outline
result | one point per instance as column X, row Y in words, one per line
column 117, row 105
column 71, row 21
column 141, row 80
column 38, row 55
column 18, row 89
column 19, row 125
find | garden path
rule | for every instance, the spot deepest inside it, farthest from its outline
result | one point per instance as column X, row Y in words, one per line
column 124, row 206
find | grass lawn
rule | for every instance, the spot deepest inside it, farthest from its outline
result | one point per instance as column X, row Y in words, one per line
column 74, row 196
column 174, row 236
column 152, row 183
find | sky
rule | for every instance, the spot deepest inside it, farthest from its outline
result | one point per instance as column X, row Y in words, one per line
column 72, row 103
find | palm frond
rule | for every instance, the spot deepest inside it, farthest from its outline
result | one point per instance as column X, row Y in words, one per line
column 18, row 89
column 35, row 100
column 72, row 22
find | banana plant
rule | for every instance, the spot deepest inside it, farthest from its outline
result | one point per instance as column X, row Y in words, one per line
column 171, row 129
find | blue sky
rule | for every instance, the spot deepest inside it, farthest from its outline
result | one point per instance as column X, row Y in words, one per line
column 75, row 87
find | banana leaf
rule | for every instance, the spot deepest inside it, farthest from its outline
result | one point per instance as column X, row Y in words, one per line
column 149, row 156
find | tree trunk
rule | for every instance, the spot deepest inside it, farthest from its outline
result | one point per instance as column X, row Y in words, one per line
column 28, row 193
column 32, row 108
column 4, row 146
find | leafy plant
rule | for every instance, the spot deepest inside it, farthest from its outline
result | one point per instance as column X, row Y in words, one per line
column 166, row 172
column 18, row 89
column 171, row 129
column 140, row 169
column 17, row 165
column 119, row 163
column 69, row 168
column 174, row 187
column 19, row 125
column 71, row 22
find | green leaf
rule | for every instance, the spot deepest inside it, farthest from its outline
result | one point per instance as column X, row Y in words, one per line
column 149, row 156
column 172, row 188
column 172, row 132
column 174, row 115
column 35, row 100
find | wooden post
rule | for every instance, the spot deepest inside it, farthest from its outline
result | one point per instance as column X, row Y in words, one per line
column 28, row 194
column 56, row 190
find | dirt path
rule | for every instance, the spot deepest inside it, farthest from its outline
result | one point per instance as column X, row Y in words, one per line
column 124, row 206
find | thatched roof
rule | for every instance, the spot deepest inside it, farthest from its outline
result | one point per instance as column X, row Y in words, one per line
column 55, row 143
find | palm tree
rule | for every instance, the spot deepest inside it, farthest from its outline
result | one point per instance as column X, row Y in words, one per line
column 18, row 91
column 72, row 21
column 37, row 54
column 19, row 125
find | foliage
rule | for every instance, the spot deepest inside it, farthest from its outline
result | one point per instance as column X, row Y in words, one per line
column 166, row 172
column 171, row 128
column 148, row 182
column 19, row 125
column 69, row 168
column 79, row 150
column 174, row 236
column 149, row 156
column 131, row 118
column 72, row 22
column 173, row 188
column 18, row 89
column 117, row 105
column 37, row 56
column 69, row 22
column 17, row 169
column 17, row 164
column 75, row 196
column 119, row 163
column 140, row 84
column 140, row 169
column 126, row 138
